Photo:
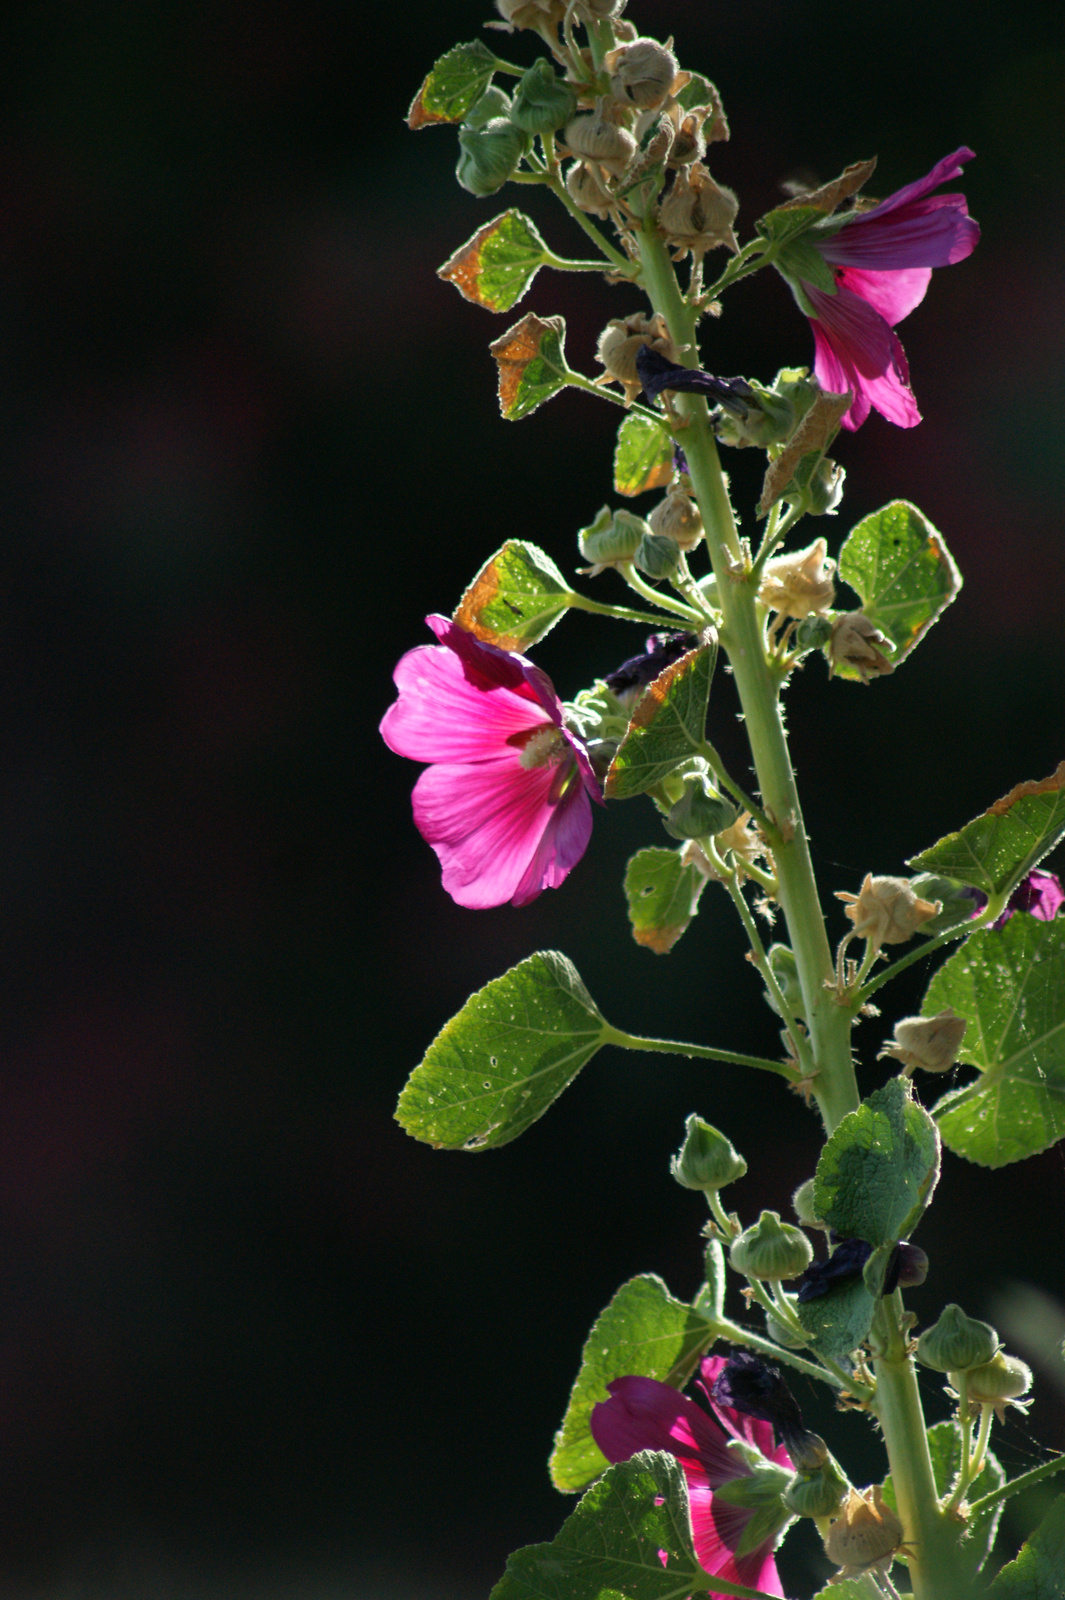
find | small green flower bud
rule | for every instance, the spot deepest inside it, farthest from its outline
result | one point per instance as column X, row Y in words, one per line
column 614, row 536
column 956, row 1342
column 813, row 633
column 657, row 555
column 493, row 103
column 786, row 971
column 999, row 1380
column 770, row 419
column 781, row 1334
column 706, row 1159
column 817, row 1493
column 802, row 1202
column 488, row 155
column 542, row 100
column 699, row 811
column 771, row 1249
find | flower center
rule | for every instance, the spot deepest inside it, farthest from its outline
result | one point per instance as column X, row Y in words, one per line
column 543, row 747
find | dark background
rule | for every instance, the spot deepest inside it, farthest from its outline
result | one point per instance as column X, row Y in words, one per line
column 253, row 1339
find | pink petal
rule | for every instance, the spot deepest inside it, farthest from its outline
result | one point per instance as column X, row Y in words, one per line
column 717, row 1529
column 563, row 843
column 912, row 228
column 643, row 1414
column 893, row 294
column 441, row 715
column 949, row 167
column 489, row 666
column 855, row 349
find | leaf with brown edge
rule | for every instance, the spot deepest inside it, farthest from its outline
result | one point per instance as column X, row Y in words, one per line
column 830, row 195
column 996, row 850
column 496, row 266
column 518, row 596
column 458, row 79
column 532, row 366
column 643, row 456
column 668, row 725
column 813, row 436
column 663, row 897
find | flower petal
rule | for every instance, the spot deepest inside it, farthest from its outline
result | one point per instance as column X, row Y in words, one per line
column 643, row 1414
column 443, row 715
column 562, row 844
column 893, row 294
column 912, row 228
column 490, row 667
column 855, row 349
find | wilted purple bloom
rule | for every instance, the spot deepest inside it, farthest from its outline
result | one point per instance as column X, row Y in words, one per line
column 660, row 651
column 1040, row 894
column 657, row 373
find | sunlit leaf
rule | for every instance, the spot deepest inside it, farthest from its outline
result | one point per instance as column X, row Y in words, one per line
column 668, row 725
column 663, row 896
column 877, row 1171
column 996, row 850
column 643, row 457
column 458, row 79
column 532, row 366
column 903, row 573
column 496, row 266
column 517, row 597
column 1037, row 1572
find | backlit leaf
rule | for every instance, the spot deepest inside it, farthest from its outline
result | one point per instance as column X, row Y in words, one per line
column 668, row 725
column 903, row 573
column 458, row 79
column 1037, row 1572
column 496, row 266
column 877, row 1171
column 517, row 597
column 663, row 896
column 532, row 366
column 996, row 850
column 643, row 457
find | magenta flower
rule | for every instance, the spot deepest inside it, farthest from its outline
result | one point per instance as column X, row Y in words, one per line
column 882, row 261
column 1040, row 894
column 643, row 1414
column 506, row 804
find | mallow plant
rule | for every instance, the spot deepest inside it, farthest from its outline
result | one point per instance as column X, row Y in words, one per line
column 682, row 1431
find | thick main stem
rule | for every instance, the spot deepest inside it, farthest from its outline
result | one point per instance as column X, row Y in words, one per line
column 834, row 1086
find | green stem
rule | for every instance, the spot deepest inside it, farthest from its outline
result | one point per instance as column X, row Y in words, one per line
column 577, row 380
column 761, row 961
column 925, row 948
column 582, row 220
column 717, row 767
column 634, row 581
column 1025, row 1481
column 740, row 266
column 834, row 1087
column 633, row 1041
column 776, row 1352
column 580, row 602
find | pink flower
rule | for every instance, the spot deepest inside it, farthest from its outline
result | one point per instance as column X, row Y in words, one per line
column 882, row 260
column 643, row 1414
column 506, row 804
column 1040, row 894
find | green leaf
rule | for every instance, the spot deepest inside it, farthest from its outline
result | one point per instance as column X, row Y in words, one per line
column 458, row 79
column 515, row 599
column 497, row 1066
column 1037, row 1573
column 877, row 1171
column 643, row 457
column 996, row 850
column 496, row 266
column 902, row 571
column 643, row 1332
column 839, row 1320
column 532, row 365
column 668, row 725
column 978, row 1534
column 609, row 1548
column 1009, row 985
column 846, row 1589
column 663, row 896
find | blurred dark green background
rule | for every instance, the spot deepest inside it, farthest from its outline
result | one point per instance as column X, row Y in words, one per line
column 253, row 1340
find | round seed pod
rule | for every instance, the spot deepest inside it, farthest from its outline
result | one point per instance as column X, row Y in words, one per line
column 771, row 1249
column 657, row 556
column 678, row 516
column 588, row 191
column 998, row 1380
column 642, row 73
column 614, row 536
column 593, row 136
column 955, row 1342
column 706, row 1159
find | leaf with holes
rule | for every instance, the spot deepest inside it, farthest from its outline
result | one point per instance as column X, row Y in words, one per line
column 496, row 266
column 643, row 456
column 516, row 598
column 668, row 725
column 945, row 1448
column 644, row 1333
column 498, row 1065
column 1009, row 985
column 663, row 896
column 458, row 79
column 878, row 1170
column 532, row 365
column 996, row 850
column 628, row 1539
column 902, row 572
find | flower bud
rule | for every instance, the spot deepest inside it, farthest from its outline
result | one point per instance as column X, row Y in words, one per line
column 865, row 1536
column 642, row 73
column 798, row 584
column 593, row 136
column 785, row 969
column 620, row 342
column 955, row 1342
column 697, row 214
column 781, row 1334
column 706, row 1159
column 930, row 1043
column 493, row 103
column 825, row 488
column 887, row 910
column 913, row 1266
column 802, row 1203
column 614, row 536
column 771, row 1249
column 855, row 642
column 588, row 191
column 530, row 13
column 657, row 555
column 678, row 517
column 997, row 1382
column 701, row 810
column 812, row 633
column 817, row 1493
column 599, row 10
column 488, row 155
column 542, row 101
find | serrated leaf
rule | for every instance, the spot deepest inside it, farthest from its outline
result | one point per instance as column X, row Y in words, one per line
column 839, row 1320
column 1009, row 985
column 663, row 896
column 516, row 598
column 978, row 1534
column 807, row 444
column 878, row 1170
column 532, row 365
column 1038, row 1573
column 644, row 1333
column 643, row 456
column 903, row 573
column 996, row 850
column 496, row 266
column 497, row 1066
column 454, row 82
column 668, row 725
column 612, row 1546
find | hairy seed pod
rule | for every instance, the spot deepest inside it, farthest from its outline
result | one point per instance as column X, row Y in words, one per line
column 642, row 73
column 865, row 1536
column 493, row 103
column 595, row 137
column 997, row 1383
column 887, row 910
column 531, row 13
column 620, row 342
column 678, row 516
column 586, row 190
column 930, row 1043
column 856, row 642
column 657, row 556
column 697, row 214
column 796, row 585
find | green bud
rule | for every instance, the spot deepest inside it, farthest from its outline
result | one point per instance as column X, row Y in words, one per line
column 706, row 1159
column 956, row 1342
column 803, row 1205
column 819, row 1493
column 786, row 971
column 781, row 1334
column 657, row 555
column 699, row 811
column 813, row 633
column 542, row 101
column 493, row 103
column 760, row 1492
column 614, row 536
column 488, row 155
column 771, row 1249
column 825, row 487
column 998, row 1380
